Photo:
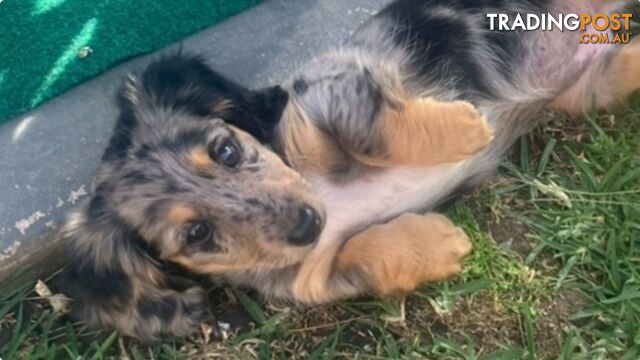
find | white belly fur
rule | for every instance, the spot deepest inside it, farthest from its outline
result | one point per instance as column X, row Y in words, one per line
column 380, row 197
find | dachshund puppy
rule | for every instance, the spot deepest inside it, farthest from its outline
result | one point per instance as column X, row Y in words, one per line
column 309, row 194
column 189, row 182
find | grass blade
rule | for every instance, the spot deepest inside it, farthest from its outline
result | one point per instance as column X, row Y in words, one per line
column 626, row 295
column 529, row 333
column 613, row 173
column 546, row 154
column 391, row 346
column 106, row 344
column 253, row 309
column 629, row 177
column 327, row 347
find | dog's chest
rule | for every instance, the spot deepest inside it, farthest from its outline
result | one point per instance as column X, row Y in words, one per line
column 379, row 197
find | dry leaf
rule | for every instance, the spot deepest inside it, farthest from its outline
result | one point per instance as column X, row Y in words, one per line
column 58, row 302
column 555, row 190
column 206, row 333
column 42, row 289
column 123, row 351
column 204, row 336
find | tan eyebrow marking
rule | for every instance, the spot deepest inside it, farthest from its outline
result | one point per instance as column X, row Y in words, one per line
column 200, row 159
column 180, row 214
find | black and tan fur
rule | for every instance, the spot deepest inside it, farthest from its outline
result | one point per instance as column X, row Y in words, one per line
column 391, row 123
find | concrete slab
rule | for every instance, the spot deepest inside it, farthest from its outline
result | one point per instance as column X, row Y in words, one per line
column 50, row 154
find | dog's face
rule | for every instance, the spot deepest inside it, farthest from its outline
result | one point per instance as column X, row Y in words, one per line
column 197, row 187
column 208, row 196
column 187, row 179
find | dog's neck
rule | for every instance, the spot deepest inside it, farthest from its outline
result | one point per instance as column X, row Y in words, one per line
column 296, row 137
column 306, row 147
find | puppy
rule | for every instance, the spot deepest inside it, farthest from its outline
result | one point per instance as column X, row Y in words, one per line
column 389, row 124
column 189, row 185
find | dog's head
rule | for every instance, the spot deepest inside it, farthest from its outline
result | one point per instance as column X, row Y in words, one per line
column 186, row 179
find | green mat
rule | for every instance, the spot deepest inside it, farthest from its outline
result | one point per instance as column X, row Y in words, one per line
column 48, row 46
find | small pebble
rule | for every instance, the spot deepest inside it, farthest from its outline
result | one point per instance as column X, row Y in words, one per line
column 224, row 329
column 84, row 52
column 224, row 326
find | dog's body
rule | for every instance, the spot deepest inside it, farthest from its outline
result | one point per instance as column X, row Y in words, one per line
column 387, row 124
column 441, row 50
column 340, row 129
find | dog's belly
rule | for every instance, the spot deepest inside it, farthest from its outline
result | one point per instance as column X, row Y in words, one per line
column 379, row 197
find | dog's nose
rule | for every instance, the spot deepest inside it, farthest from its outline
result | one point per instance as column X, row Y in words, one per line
column 308, row 227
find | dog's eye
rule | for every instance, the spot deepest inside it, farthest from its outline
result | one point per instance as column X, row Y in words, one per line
column 227, row 154
column 197, row 231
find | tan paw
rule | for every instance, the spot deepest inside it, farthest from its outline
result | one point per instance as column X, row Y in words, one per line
column 428, row 132
column 470, row 132
column 407, row 252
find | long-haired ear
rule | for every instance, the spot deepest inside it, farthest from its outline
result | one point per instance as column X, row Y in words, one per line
column 187, row 83
column 180, row 82
column 258, row 112
column 115, row 283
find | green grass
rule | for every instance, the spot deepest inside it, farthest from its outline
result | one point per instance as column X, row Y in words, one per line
column 555, row 274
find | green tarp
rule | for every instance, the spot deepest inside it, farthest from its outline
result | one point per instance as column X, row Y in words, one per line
column 48, row 46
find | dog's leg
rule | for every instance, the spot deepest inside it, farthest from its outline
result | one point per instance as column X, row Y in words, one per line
column 399, row 256
column 610, row 81
column 371, row 118
column 426, row 132
column 387, row 259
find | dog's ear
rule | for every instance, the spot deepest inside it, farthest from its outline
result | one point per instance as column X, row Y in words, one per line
column 115, row 283
column 177, row 82
column 260, row 111
column 270, row 102
column 188, row 84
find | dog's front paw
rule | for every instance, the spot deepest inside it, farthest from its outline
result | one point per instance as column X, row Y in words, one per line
column 399, row 256
column 471, row 132
column 167, row 315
